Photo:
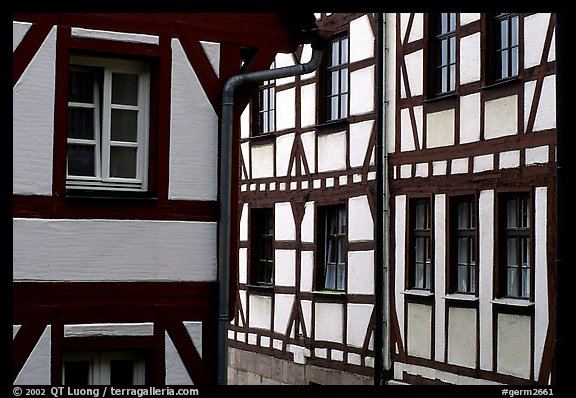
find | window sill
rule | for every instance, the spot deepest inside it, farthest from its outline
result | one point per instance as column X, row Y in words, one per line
column 513, row 302
column 263, row 136
column 264, row 290
column 461, row 297
column 441, row 97
column 332, row 124
column 102, row 195
column 501, row 83
column 418, row 293
column 329, row 292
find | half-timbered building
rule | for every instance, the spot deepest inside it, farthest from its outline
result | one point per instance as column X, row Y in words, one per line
column 115, row 189
column 472, row 193
column 305, row 308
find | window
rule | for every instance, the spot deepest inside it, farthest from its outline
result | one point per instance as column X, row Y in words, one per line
column 106, row 368
column 267, row 106
column 331, row 260
column 463, row 245
column 505, row 45
column 515, row 253
column 107, row 144
column 420, row 241
column 262, row 251
column 444, row 53
column 337, row 79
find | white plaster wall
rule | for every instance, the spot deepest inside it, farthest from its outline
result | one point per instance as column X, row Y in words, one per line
column 404, row 18
column 470, row 52
column 440, row 128
column 176, row 373
column 362, row 82
column 440, row 236
column 245, row 123
column 244, row 222
column 540, row 275
column 262, row 161
column 114, row 36
column 359, row 138
column 421, row 170
column 414, row 62
column 406, row 132
column 282, row 60
column 245, row 153
column 19, row 30
column 306, row 270
column 329, row 318
column 535, row 28
column 513, row 355
column 243, row 299
column 529, row 88
column 361, row 272
column 390, row 83
column 462, row 337
column 360, row 223
column 113, row 250
column 546, row 114
column 537, row 155
column 212, row 51
column 109, row 329
column 306, row 57
column 485, row 263
column 15, row 330
column 307, row 313
column 285, row 109
column 470, row 118
column 243, row 265
column 435, row 373
column 467, row 17
column 307, row 226
column 193, row 134
column 33, row 123
column 417, row 31
column 439, row 167
column 332, row 151
column 282, row 308
column 260, row 311
column 501, row 117
column 308, row 105
column 36, row 369
column 400, row 259
column 483, row 163
column 357, row 327
column 509, row 159
column 309, row 144
column 419, row 332
column 284, row 227
column 283, row 150
column 459, row 166
column 361, row 39
column 284, row 267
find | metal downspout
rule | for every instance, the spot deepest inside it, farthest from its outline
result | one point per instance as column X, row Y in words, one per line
column 226, row 128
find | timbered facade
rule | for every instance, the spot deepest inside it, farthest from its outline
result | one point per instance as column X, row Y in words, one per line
column 115, row 193
column 472, row 193
column 307, row 207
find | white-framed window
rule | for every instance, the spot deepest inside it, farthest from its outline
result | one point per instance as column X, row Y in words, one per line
column 104, row 368
column 108, row 124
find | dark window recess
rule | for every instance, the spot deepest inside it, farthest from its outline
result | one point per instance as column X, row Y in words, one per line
column 463, row 245
column 421, row 244
column 336, row 79
column 443, row 53
column 262, row 250
column 331, row 259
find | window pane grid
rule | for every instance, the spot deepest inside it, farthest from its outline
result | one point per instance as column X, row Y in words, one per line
column 421, row 254
column 464, row 238
column 337, row 80
column 334, row 263
column 517, row 247
column 507, row 48
column 445, row 63
column 262, row 272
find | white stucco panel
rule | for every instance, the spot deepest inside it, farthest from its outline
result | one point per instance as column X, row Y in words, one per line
column 470, row 51
column 33, row 123
column 440, row 128
column 514, row 342
column 535, row 28
column 284, row 226
column 485, row 282
column 193, row 134
column 362, row 82
column 260, row 311
column 509, row 159
column 359, row 135
column 113, row 250
column 282, row 308
column 329, row 319
column 212, row 51
column 307, row 227
column 419, row 332
column 244, row 222
column 176, row 372
column 414, row 69
column 501, row 117
column 361, row 39
column 537, row 155
column 483, row 163
column 308, row 105
column 309, row 145
column 357, row 327
column 245, row 153
column 306, row 270
column 360, row 222
column 36, row 369
column 285, row 109
column 262, row 157
column 540, row 275
column 284, row 267
column 283, row 150
column 546, row 114
column 462, row 337
column 400, row 258
column 468, row 17
column 406, row 132
column 361, row 272
column 19, row 30
column 115, row 36
column 243, row 265
column 245, row 123
column 332, row 151
column 470, row 118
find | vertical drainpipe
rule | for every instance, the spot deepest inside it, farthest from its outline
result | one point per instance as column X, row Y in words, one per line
column 225, row 166
column 381, row 307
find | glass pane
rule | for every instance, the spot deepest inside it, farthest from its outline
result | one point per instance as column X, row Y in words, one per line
column 504, row 64
column 123, row 162
column 265, row 125
column 344, row 51
column 271, row 120
column 81, row 123
column 334, row 60
column 81, row 160
column 76, row 373
column 525, row 252
column 525, row 213
column 472, row 251
column 444, row 79
column 81, row 87
column 419, row 250
column 511, row 255
column 452, row 77
column 452, row 21
column 341, row 253
column 419, row 275
column 334, row 87
column 272, row 95
column 124, row 125
column 344, row 105
column 124, row 89
column 331, row 251
column 334, row 108
column 444, row 53
column 462, row 251
column 340, row 277
column 462, row 279
column 121, row 372
column 452, row 50
column 472, row 280
column 504, row 33
column 525, row 282
column 514, row 31
column 514, row 61
column 512, row 283
column 511, row 214
column 344, row 80
column 330, row 277
column 264, row 104
column 443, row 22
column 463, row 215
column 427, row 274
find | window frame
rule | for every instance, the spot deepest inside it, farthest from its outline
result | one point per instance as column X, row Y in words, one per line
column 437, row 37
column 102, row 180
column 343, row 69
column 495, row 47
column 100, row 368
column 259, row 238
column 525, row 288
column 268, row 87
column 339, row 214
column 471, row 235
column 415, row 234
